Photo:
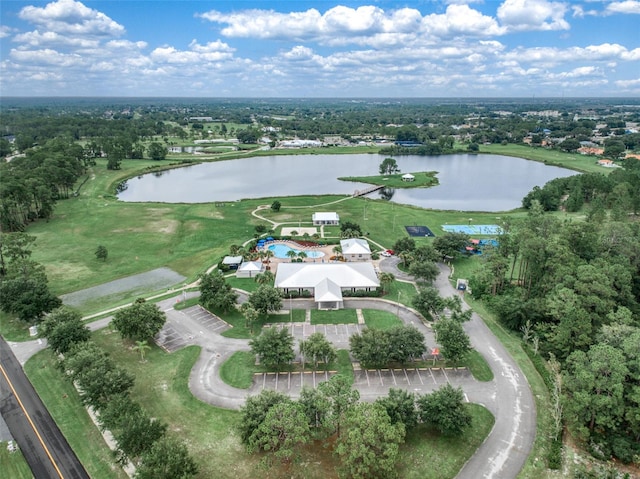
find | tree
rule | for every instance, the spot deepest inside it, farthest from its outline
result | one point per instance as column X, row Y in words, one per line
column 371, row 347
column 386, row 279
column 283, row 428
column 64, row 328
column 96, row 374
column 292, row 254
column 266, row 299
column 428, row 302
column 316, row 407
column 424, row 271
column 251, row 316
column 445, row 410
column 406, row 343
column 264, row 278
column 255, row 410
column 27, row 296
column 569, row 145
column 370, row 445
column 274, row 347
column 168, row 458
column 341, row 396
column 401, row 407
column 140, row 321
column 317, row 348
column 594, row 384
column 157, row 152
column 216, row 293
column 101, row 253
column 454, row 342
column 451, row 244
column 248, row 136
column 141, row 347
column 138, row 434
column 275, row 206
column 404, row 244
column 389, row 166
column 354, row 229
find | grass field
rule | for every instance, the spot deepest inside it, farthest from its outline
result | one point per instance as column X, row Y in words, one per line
column 13, row 464
column 422, row 179
column 573, row 161
column 340, row 316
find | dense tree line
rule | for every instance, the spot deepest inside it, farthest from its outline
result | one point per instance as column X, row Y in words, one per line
column 105, row 386
column 365, row 437
column 24, row 287
column 32, row 184
column 617, row 191
column 573, row 288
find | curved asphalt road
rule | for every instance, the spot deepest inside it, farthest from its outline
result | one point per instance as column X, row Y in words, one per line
column 508, row 396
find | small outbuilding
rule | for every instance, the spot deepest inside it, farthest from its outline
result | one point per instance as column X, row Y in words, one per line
column 325, row 218
column 249, row 269
column 355, row 249
column 408, row 177
column 232, row 261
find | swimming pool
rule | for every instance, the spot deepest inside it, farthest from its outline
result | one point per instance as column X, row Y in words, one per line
column 281, row 250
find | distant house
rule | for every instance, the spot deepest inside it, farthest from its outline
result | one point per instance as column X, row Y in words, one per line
column 408, row 177
column 249, row 269
column 232, row 261
column 606, row 163
column 326, row 281
column 355, row 249
column 325, row 218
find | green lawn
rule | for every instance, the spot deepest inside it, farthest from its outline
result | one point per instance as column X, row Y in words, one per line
column 13, row 329
column 340, row 316
column 380, row 319
column 237, row 371
column 574, row 161
column 422, row 179
column 428, row 455
column 13, row 464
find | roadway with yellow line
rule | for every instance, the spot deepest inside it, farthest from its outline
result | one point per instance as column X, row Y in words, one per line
column 44, row 447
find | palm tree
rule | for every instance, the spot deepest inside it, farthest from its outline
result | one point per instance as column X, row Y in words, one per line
column 294, row 233
column 268, row 254
column 141, row 346
column 385, row 280
column 264, row 278
column 337, row 250
column 292, row 254
column 302, row 255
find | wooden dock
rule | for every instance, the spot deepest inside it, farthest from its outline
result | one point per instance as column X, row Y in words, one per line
column 368, row 190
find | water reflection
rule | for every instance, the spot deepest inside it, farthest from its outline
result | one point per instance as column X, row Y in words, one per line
column 466, row 182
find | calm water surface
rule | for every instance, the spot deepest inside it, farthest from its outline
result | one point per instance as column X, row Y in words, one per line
column 467, row 182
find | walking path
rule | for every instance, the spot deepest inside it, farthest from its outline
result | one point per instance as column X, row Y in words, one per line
column 508, row 396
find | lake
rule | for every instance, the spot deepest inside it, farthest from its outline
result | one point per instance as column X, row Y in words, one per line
column 467, row 182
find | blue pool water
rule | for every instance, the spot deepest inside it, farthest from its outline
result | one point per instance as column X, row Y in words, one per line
column 280, row 251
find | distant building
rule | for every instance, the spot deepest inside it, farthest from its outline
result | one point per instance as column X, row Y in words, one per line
column 355, row 249
column 408, row 177
column 325, row 218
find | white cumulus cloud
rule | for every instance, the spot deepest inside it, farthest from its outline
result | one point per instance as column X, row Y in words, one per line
column 521, row 15
column 627, row 6
column 71, row 17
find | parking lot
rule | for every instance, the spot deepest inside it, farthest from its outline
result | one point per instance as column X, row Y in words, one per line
column 337, row 334
column 170, row 338
column 380, row 380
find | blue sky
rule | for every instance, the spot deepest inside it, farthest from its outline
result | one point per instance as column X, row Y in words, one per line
column 322, row 48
